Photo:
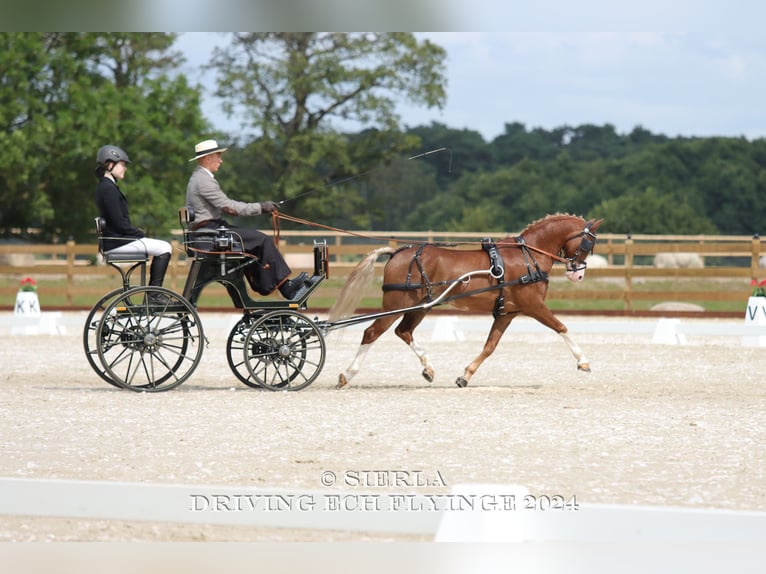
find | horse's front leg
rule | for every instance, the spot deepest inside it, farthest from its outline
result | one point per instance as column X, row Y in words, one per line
column 582, row 363
column 499, row 326
column 547, row 318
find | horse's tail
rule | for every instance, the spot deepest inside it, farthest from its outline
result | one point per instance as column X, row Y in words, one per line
column 351, row 294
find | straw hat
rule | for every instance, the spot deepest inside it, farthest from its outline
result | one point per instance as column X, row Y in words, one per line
column 206, row 148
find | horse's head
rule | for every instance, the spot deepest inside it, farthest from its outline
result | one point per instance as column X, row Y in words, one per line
column 577, row 248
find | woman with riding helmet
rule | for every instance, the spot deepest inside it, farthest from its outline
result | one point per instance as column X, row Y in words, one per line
column 120, row 236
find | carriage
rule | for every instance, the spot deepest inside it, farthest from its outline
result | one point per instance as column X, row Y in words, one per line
column 133, row 342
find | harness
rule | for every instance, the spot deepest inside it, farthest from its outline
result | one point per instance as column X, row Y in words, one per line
column 496, row 270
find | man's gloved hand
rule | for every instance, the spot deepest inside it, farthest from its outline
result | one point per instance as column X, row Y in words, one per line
column 268, row 206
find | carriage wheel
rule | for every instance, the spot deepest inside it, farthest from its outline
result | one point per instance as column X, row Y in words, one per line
column 235, row 346
column 89, row 341
column 149, row 347
column 284, row 351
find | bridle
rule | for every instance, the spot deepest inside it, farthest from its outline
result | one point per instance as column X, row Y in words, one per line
column 577, row 261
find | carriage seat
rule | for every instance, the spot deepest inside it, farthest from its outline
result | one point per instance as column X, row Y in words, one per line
column 129, row 257
column 135, row 259
column 208, row 243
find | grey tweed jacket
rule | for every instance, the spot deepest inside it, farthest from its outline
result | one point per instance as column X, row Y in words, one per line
column 204, row 195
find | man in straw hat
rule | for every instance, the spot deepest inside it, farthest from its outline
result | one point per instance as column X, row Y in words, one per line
column 204, row 195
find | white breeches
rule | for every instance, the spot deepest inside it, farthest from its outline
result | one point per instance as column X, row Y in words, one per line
column 145, row 245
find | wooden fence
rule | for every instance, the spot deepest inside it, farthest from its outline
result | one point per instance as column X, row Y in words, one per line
column 74, row 277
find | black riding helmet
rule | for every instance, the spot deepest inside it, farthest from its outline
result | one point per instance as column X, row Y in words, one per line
column 111, row 153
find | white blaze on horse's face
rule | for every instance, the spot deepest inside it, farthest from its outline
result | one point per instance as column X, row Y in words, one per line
column 577, row 274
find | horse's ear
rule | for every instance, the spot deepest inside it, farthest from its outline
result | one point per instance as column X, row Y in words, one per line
column 594, row 224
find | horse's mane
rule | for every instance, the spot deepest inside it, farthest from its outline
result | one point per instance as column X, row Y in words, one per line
column 548, row 217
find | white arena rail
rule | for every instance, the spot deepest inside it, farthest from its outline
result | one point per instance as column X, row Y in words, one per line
column 467, row 513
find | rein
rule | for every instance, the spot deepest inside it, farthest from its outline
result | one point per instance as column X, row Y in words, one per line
column 495, row 271
column 525, row 245
column 308, row 223
column 275, row 226
column 276, row 215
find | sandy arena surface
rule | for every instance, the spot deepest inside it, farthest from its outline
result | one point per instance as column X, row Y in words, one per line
column 652, row 424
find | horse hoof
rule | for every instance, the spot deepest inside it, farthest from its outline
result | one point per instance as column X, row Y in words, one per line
column 342, row 382
column 428, row 375
column 584, row 367
column 461, row 382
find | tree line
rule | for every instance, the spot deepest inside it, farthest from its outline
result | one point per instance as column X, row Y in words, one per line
column 64, row 95
column 638, row 182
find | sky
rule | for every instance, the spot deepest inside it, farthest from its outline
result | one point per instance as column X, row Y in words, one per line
column 674, row 82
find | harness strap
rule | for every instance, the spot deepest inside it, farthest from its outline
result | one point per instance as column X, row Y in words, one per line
column 413, row 286
column 497, row 266
column 408, row 285
column 497, row 271
column 523, row 280
column 531, row 276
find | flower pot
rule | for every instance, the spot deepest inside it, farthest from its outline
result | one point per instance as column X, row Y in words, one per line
column 27, row 304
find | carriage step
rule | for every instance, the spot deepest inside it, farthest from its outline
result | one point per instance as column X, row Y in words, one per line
column 307, row 288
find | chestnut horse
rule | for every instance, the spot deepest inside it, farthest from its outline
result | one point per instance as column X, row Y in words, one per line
column 506, row 278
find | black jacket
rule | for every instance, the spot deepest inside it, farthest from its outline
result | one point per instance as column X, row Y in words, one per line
column 113, row 207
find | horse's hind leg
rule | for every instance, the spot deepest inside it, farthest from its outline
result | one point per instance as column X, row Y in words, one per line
column 499, row 325
column 404, row 331
column 371, row 334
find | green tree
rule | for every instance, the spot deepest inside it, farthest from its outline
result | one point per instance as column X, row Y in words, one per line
column 461, row 151
column 500, row 201
column 391, row 192
column 517, row 144
column 25, row 78
column 82, row 91
column 589, row 142
column 731, row 184
column 651, row 212
column 297, row 90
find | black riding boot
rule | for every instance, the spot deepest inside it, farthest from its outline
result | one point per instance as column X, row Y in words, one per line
column 157, row 276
